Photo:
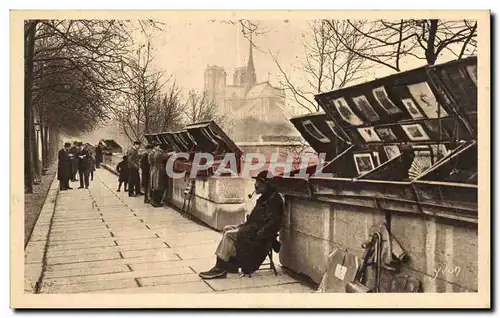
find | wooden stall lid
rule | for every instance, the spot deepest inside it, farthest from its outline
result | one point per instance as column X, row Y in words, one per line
column 322, row 134
column 427, row 104
column 211, row 138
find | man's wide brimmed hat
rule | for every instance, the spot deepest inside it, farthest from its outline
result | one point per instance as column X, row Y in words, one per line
column 67, row 144
column 265, row 176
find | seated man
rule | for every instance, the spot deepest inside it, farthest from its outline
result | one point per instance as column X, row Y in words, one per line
column 246, row 245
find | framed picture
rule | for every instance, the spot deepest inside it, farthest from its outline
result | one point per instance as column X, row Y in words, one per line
column 346, row 113
column 425, row 98
column 386, row 134
column 369, row 134
column 377, row 158
column 315, row 132
column 392, row 151
column 364, row 106
column 412, row 108
column 363, row 162
column 415, row 132
column 472, row 71
column 382, row 98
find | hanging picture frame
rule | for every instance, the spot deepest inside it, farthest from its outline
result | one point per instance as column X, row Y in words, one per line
column 412, row 108
column 380, row 95
column 314, row 131
column 346, row 112
column 392, row 151
column 425, row 98
column 369, row 134
column 363, row 162
column 386, row 134
column 364, row 106
column 415, row 132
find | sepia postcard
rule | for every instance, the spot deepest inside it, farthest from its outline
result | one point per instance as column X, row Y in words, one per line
column 205, row 159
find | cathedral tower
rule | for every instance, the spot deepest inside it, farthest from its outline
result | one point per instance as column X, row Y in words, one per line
column 251, row 76
column 215, row 85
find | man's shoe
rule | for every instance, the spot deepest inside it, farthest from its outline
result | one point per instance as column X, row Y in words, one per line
column 233, row 270
column 132, row 195
column 80, row 187
column 69, row 188
column 214, row 273
column 118, row 190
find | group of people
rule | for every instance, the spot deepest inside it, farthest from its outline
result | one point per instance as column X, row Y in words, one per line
column 142, row 172
column 77, row 162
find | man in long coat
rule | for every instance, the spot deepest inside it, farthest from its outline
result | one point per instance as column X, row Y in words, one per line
column 246, row 245
column 146, row 173
column 64, row 167
column 84, row 166
column 134, row 180
column 98, row 156
column 158, row 173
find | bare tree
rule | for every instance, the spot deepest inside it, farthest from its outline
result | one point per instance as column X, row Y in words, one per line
column 200, row 108
column 72, row 75
column 389, row 43
column 326, row 65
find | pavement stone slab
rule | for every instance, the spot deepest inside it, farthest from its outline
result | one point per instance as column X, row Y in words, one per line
column 102, row 241
column 188, row 287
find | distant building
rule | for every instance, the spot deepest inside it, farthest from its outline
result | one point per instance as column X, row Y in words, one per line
column 245, row 97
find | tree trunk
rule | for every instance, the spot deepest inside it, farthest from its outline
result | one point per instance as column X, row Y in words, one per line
column 430, row 52
column 29, row 46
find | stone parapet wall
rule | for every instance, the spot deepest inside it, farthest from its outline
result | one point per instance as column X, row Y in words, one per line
column 443, row 249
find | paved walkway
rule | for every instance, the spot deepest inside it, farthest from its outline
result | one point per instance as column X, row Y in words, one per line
column 99, row 240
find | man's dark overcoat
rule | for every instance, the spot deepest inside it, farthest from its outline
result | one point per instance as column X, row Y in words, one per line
column 257, row 234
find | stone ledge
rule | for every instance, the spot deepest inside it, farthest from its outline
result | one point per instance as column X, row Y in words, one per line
column 35, row 250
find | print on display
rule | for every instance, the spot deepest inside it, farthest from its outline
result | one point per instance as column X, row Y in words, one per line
column 365, row 107
column 346, row 112
column 386, row 134
column 315, row 132
column 425, row 98
column 382, row 98
column 415, row 132
column 412, row 108
column 392, row 151
column 364, row 162
column 369, row 134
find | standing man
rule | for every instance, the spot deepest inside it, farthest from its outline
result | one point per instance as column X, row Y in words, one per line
column 98, row 155
column 159, row 161
column 134, row 186
column 74, row 151
column 146, row 169
column 84, row 166
column 64, row 167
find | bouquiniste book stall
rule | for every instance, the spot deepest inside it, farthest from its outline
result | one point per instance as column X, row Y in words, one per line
column 405, row 145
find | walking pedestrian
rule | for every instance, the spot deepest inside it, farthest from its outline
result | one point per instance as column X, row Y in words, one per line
column 123, row 174
column 64, row 167
column 84, row 166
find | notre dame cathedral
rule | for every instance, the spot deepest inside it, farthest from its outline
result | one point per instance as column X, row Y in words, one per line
column 245, row 97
